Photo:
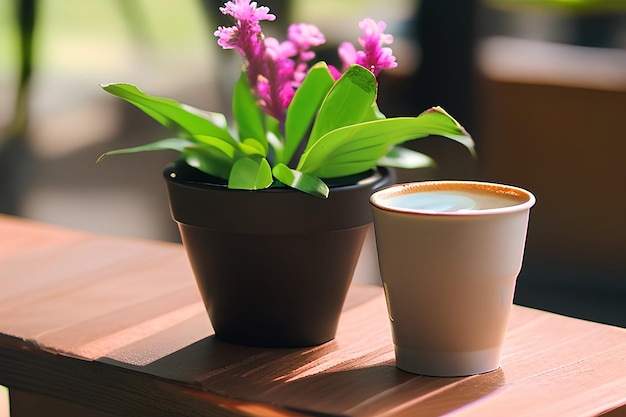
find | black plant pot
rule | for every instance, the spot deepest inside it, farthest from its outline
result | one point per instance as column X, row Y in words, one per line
column 273, row 266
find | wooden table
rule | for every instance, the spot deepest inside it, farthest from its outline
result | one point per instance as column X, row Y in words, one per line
column 96, row 325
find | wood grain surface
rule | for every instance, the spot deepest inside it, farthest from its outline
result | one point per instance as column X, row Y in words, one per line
column 116, row 325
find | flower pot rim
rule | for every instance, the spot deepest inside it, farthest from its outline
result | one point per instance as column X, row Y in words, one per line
column 194, row 177
column 279, row 210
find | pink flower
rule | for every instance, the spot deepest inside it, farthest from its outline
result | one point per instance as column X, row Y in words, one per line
column 347, row 54
column 374, row 55
column 246, row 36
column 272, row 74
column 275, row 84
column 244, row 10
column 276, row 69
column 305, row 36
column 228, row 37
column 280, row 50
column 247, row 33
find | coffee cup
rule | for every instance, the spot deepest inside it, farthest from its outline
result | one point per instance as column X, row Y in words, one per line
column 449, row 254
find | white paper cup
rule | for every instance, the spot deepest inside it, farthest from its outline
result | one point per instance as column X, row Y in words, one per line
column 449, row 254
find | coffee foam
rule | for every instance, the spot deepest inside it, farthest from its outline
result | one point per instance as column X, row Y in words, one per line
column 452, row 197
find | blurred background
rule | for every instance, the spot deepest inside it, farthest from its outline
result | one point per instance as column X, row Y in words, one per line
column 541, row 85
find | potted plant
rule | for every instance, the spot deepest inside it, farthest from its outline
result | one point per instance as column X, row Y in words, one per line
column 273, row 208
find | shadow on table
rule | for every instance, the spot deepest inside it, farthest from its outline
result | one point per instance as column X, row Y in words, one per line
column 326, row 379
column 383, row 388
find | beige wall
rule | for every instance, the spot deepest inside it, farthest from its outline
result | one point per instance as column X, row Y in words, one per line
column 567, row 144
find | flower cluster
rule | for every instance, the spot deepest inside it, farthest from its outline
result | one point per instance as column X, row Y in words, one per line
column 374, row 56
column 275, row 69
column 293, row 124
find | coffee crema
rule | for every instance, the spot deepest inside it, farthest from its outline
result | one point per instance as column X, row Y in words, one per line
column 449, row 197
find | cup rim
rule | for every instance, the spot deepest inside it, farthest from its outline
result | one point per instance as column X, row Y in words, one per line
column 377, row 198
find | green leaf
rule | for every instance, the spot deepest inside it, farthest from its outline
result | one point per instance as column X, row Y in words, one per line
column 353, row 149
column 373, row 113
column 303, row 107
column 208, row 159
column 250, row 173
column 174, row 144
column 251, row 146
column 217, row 119
column 307, row 183
column 348, row 102
column 277, row 146
column 171, row 114
column 274, row 136
column 247, row 113
column 228, row 149
column 400, row 157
